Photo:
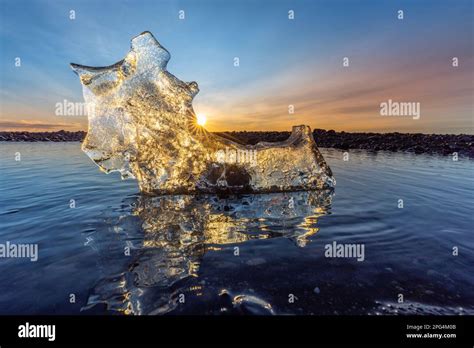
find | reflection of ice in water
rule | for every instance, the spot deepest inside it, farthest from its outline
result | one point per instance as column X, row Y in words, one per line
column 144, row 126
column 179, row 230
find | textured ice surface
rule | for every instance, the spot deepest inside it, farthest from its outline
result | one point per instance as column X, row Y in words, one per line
column 141, row 123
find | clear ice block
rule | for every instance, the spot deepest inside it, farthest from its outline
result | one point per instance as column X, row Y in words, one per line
column 142, row 124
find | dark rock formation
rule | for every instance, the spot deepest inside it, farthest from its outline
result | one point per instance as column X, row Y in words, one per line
column 443, row 144
column 43, row 136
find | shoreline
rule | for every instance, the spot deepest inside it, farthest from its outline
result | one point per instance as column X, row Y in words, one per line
column 418, row 143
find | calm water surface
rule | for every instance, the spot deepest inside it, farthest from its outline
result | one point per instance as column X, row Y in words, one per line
column 118, row 252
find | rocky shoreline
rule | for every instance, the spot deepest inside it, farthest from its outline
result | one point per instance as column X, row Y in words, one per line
column 442, row 144
column 59, row 136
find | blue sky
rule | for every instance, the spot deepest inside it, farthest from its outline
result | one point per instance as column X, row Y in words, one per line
column 282, row 61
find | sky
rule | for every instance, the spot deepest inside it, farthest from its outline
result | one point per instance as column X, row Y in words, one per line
column 282, row 61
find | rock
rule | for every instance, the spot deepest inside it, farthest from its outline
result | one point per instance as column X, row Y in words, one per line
column 441, row 144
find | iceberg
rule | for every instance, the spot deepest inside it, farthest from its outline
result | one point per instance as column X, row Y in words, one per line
column 142, row 124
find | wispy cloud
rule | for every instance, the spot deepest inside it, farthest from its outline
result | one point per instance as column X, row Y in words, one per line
column 28, row 125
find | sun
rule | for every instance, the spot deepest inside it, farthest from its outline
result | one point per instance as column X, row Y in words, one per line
column 201, row 119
